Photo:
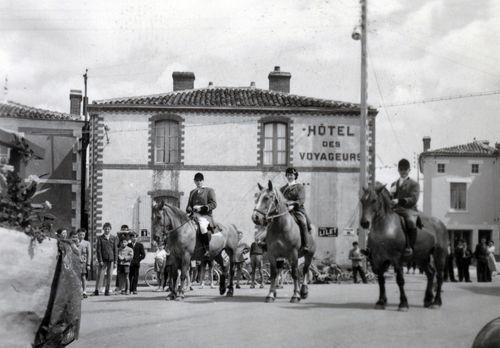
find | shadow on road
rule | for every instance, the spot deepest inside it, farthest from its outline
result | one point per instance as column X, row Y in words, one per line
column 491, row 291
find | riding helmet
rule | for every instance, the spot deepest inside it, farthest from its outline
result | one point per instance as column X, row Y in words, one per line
column 198, row 177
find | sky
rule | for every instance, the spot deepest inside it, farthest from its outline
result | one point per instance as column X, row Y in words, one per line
column 417, row 50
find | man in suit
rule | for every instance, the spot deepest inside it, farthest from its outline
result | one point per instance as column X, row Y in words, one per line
column 405, row 192
column 296, row 197
column 135, row 264
column 481, row 255
column 107, row 255
column 462, row 257
column 200, row 205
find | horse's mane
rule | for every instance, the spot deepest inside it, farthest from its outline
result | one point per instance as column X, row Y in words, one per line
column 381, row 191
column 178, row 217
column 280, row 198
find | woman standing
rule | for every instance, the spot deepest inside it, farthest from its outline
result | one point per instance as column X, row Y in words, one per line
column 491, row 258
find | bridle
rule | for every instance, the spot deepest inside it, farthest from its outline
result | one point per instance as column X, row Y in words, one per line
column 377, row 215
column 163, row 226
column 267, row 215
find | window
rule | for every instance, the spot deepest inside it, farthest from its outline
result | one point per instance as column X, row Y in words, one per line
column 166, row 141
column 475, row 169
column 458, row 195
column 4, row 154
column 275, row 143
column 441, row 167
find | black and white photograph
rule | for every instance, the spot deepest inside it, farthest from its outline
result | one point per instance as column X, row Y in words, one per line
column 215, row 173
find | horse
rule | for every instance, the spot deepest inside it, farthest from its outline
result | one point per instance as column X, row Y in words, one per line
column 283, row 240
column 181, row 232
column 387, row 241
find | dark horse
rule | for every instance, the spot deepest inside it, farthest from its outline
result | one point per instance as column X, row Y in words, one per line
column 283, row 240
column 386, row 244
column 181, row 232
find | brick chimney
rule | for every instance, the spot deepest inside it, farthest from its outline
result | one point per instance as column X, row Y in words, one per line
column 75, row 102
column 279, row 81
column 427, row 143
column 183, row 80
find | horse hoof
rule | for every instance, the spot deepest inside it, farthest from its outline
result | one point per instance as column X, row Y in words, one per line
column 379, row 306
column 294, row 300
column 403, row 309
column 427, row 304
column 229, row 293
column 269, row 299
column 304, row 292
column 222, row 291
column 179, row 298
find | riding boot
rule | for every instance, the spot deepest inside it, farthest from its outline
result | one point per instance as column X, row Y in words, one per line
column 205, row 241
column 303, row 235
column 411, row 237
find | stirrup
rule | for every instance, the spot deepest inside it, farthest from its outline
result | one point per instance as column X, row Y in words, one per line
column 408, row 252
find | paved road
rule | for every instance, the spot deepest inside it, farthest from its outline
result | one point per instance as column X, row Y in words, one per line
column 339, row 315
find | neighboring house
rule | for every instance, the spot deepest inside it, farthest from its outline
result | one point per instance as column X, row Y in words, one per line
column 462, row 188
column 15, row 150
column 59, row 135
column 149, row 148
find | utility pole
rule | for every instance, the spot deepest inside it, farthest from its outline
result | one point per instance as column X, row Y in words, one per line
column 85, row 99
column 364, row 107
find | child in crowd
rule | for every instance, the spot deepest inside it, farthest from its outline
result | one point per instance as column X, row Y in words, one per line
column 160, row 261
column 125, row 255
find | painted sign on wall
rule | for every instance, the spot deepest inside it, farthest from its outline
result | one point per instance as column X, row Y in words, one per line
column 328, row 232
column 329, row 143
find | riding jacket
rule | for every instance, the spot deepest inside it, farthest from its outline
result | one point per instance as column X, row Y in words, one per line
column 295, row 194
column 406, row 193
column 205, row 197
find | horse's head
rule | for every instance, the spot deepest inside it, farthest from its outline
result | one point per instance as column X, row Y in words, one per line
column 267, row 204
column 372, row 201
column 160, row 216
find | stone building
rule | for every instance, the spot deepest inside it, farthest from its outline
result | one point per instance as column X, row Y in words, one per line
column 461, row 187
column 59, row 136
column 149, row 147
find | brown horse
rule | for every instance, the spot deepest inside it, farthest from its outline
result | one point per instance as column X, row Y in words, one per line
column 181, row 232
column 283, row 240
column 386, row 244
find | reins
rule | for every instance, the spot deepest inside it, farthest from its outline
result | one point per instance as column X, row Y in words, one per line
column 267, row 215
column 175, row 229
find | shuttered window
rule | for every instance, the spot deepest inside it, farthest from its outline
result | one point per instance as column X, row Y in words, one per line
column 167, row 142
column 275, row 143
column 458, row 196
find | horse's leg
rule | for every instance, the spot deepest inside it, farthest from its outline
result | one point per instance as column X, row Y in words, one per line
column 185, row 264
column 230, row 289
column 173, row 280
column 304, row 291
column 222, row 280
column 271, row 296
column 439, row 278
column 382, row 298
column 403, row 301
column 429, row 295
column 294, row 262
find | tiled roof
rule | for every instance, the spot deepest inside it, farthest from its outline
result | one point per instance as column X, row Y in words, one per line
column 229, row 97
column 16, row 110
column 476, row 148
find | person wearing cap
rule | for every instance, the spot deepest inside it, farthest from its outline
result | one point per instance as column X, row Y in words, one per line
column 135, row 264
column 405, row 192
column 200, row 205
column 295, row 195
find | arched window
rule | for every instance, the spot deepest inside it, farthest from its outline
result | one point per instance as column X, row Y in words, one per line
column 275, row 149
column 167, row 140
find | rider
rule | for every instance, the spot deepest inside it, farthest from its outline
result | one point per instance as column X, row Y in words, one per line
column 200, row 205
column 405, row 192
column 295, row 196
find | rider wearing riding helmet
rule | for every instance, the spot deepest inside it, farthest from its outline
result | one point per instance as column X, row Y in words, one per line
column 200, row 205
column 405, row 192
column 296, row 197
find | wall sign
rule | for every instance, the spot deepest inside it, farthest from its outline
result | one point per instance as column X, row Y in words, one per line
column 328, row 232
column 327, row 144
